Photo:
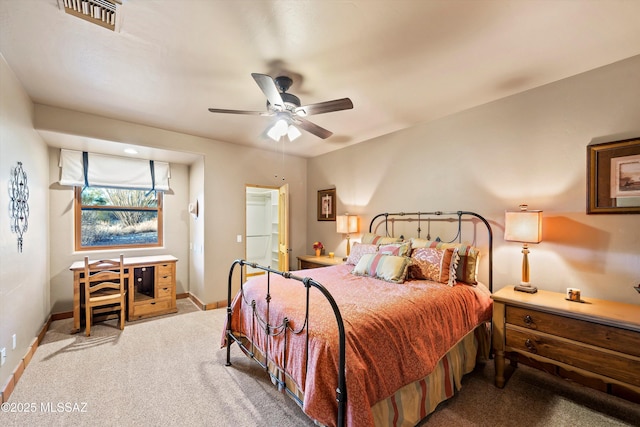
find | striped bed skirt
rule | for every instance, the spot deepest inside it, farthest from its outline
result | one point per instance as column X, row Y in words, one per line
column 413, row 402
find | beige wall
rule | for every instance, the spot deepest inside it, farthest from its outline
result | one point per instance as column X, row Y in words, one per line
column 528, row 148
column 197, row 229
column 219, row 180
column 176, row 232
column 24, row 277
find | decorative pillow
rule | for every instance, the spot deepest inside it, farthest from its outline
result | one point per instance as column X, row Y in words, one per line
column 467, row 270
column 379, row 240
column 359, row 249
column 384, row 267
column 421, row 243
column 398, row 249
column 434, row 264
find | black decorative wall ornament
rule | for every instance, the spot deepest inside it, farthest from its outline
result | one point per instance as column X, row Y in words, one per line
column 19, row 208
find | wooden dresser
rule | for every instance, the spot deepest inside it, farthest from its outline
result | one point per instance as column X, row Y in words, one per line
column 594, row 339
column 151, row 287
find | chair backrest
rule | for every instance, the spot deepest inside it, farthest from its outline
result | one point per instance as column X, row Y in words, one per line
column 103, row 275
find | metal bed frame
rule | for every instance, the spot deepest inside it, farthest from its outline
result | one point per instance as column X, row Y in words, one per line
column 284, row 328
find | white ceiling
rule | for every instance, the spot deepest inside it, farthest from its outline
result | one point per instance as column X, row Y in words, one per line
column 401, row 62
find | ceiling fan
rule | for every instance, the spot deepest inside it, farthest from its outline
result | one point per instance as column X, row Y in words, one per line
column 286, row 107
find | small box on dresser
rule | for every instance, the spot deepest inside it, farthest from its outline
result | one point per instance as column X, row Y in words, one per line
column 593, row 341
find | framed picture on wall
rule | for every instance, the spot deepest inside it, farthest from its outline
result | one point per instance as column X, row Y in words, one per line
column 625, row 176
column 327, row 205
column 613, row 177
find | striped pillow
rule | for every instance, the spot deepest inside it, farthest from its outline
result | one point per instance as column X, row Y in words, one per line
column 417, row 242
column 389, row 268
column 379, row 240
column 398, row 249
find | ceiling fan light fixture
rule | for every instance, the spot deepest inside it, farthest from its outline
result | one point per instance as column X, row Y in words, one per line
column 273, row 134
column 286, row 107
column 278, row 130
column 293, row 132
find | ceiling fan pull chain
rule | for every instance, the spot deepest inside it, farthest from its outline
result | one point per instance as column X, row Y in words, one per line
column 282, row 162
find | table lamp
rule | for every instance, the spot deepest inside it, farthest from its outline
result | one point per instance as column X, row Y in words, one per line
column 346, row 224
column 523, row 226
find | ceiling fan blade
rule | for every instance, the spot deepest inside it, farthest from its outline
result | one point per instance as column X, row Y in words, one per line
column 269, row 88
column 313, row 128
column 222, row 110
column 325, row 107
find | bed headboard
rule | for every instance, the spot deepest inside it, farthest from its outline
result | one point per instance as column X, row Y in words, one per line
column 388, row 223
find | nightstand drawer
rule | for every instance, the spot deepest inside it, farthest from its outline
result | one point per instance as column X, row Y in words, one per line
column 310, row 261
column 304, row 265
column 610, row 364
column 599, row 335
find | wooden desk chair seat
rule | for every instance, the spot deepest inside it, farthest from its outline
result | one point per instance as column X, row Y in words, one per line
column 104, row 289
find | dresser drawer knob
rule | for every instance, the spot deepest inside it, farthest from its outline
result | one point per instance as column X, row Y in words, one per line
column 530, row 346
column 528, row 320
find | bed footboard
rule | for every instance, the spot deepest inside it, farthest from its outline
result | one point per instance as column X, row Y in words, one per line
column 274, row 330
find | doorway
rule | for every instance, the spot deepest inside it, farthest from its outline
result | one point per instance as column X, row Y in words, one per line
column 266, row 228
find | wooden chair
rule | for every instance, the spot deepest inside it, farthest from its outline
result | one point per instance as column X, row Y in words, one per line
column 104, row 289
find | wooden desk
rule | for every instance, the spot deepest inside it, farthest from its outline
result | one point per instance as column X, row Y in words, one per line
column 151, row 287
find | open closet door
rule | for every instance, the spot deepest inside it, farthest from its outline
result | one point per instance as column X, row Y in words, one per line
column 283, row 228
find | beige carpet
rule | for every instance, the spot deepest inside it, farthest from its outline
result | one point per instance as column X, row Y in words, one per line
column 170, row 371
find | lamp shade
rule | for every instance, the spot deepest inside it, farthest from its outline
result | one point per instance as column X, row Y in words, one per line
column 346, row 224
column 523, row 226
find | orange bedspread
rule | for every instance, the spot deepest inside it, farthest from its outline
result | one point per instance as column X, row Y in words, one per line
column 396, row 333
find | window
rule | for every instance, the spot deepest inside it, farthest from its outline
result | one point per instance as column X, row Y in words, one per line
column 109, row 218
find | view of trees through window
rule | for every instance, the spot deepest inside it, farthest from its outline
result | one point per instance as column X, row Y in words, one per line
column 110, row 217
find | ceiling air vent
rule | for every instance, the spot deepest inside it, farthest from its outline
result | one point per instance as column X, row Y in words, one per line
column 101, row 12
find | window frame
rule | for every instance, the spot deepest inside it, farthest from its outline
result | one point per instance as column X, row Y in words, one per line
column 77, row 222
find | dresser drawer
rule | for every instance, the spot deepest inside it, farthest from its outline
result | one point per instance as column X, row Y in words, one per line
column 164, row 291
column 166, row 280
column 599, row 335
column 165, row 269
column 610, row 364
column 165, row 275
column 153, row 308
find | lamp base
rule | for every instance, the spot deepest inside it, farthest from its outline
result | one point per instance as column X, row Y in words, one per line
column 526, row 288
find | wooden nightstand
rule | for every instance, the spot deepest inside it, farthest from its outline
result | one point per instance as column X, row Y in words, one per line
column 312, row 261
column 595, row 339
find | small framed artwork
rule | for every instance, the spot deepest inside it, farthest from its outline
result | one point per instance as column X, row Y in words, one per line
column 327, row 205
column 613, row 177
